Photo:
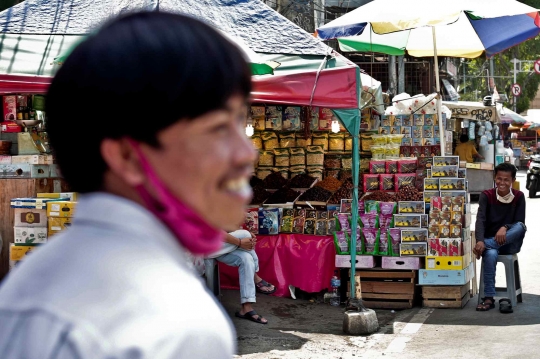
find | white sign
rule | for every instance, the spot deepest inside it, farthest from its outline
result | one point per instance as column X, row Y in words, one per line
column 537, row 66
column 516, row 89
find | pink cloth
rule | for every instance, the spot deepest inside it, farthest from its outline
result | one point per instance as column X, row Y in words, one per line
column 304, row 261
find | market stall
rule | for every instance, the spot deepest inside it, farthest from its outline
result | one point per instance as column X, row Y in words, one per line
column 481, row 124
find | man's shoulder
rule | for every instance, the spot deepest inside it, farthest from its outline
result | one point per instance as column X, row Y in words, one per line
column 490, row 194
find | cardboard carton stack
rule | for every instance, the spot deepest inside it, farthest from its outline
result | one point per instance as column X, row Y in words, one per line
column 30, row 227
column 32, row 222
column 60, row 213
column 449, row 258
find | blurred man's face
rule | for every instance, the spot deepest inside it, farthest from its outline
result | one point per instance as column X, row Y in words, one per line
column 207, row 162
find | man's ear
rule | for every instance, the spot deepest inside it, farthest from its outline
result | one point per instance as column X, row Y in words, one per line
column 122, row 161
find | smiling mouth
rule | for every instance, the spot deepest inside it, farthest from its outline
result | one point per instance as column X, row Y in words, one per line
column 240, row 188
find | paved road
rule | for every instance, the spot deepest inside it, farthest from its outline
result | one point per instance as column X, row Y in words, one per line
column 307, row 329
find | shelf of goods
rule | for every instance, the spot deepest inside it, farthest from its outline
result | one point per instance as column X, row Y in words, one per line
column 19, row 188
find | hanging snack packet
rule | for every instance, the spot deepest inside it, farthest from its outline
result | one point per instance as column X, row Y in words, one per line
column 388, row 208
column 372, row 207
column 369, row 220
column 371, row 240
column 386, row 221
column 384, row 248
column 341, row 243
column 394, row 238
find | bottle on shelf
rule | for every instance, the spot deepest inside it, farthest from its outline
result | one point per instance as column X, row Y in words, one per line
column 335, row 282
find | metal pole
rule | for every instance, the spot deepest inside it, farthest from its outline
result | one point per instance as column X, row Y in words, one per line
column 442, row 129
column 401, row 74
column 515, row 80
column 491, row 71
column 464, row 78
column 392, row 75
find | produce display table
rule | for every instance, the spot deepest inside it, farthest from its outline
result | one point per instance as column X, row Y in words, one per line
column 304, row 261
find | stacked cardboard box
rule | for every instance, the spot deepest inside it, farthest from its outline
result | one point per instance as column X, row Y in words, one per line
column 60, row 214
column 30, row 227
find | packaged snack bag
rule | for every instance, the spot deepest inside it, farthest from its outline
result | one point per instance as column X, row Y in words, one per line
column 394, row 237
column 386, row 221
column 341, row 243
column 369, row 220
column 388, row 208
column 384, row 248
column 372, row 207
column 371, row 240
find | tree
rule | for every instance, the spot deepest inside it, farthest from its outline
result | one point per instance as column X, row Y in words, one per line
column 476, row 74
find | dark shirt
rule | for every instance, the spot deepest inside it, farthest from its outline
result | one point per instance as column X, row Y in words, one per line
column 492, row 214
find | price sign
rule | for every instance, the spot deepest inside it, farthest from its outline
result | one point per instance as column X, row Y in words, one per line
column 537, row 66
column 516, row 90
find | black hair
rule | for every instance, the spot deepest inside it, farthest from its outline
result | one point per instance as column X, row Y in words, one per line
column 508, row 144
column 464, row 138
column 136, row 76
column 506, row 167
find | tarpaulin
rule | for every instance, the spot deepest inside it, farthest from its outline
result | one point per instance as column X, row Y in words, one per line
column 304, row 261
column 336, row 88
column 23, row 84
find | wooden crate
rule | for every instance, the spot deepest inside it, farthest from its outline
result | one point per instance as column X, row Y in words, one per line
column 446, row 296
column 388, row 289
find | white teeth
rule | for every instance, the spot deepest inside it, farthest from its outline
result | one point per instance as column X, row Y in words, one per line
column 237, row 185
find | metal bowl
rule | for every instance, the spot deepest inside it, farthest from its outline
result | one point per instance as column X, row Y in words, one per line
column 28, row 123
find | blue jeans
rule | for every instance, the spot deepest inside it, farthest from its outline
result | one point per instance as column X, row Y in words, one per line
column 514, row 240
column 247, row 263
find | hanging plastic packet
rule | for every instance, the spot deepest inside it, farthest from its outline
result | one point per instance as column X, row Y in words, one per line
column 489, row 136
column 489, row 127
column 481, row 130
column 472, row 125
column 483, row 141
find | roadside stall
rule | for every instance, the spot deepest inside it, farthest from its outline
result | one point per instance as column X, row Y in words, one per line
column 482, row 125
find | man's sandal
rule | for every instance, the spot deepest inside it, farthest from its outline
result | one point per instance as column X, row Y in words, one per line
column 485, row 305
column 505, row 306
column 251, row 316
column 262, row 284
